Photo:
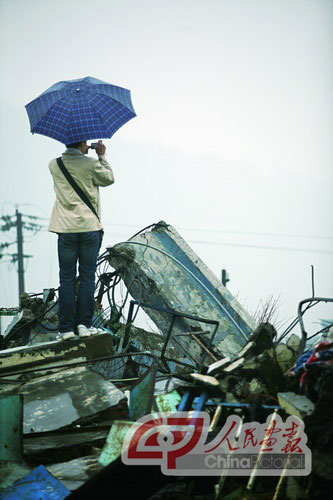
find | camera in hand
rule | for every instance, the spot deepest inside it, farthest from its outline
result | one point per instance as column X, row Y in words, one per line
column 93, row 145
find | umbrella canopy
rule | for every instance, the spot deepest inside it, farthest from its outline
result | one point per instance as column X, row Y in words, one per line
column 77, row 110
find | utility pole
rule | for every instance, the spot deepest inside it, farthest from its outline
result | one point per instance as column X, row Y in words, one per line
column 11, row 221
column 19, row 239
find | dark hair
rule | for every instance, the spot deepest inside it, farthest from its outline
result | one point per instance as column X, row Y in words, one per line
column 74, row 145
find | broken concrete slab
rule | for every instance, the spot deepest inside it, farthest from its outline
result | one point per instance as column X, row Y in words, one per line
column 257, row 361
column 53, row 354
column 256, row 387
column 262, row 367
column 262, row 338
column 296, row 404
column 284, row 356
column 269, row 372
column 162, row 270
column 218, row 365
column 206, row 380
column 293, row 342
column 234, row 366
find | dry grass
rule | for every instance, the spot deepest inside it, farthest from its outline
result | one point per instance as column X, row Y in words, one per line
column 267, row 311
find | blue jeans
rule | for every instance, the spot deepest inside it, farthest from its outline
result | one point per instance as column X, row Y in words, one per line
column 76, row 248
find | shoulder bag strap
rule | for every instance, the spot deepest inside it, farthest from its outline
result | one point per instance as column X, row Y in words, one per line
column 74, row 185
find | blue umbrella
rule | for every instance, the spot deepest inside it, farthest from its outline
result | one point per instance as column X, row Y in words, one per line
column 77, row 110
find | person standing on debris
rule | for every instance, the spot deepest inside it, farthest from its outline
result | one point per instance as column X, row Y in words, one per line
column 76, row 220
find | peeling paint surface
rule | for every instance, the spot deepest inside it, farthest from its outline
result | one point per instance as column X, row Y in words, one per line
column 76, row 472
column 141, row 398
column 55, row 353
column 168, row 402
column 60, row 399
column 114, row 442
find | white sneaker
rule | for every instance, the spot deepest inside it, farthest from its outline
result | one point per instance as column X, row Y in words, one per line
column 65, row 336
column 83, row 331
column 95, row 330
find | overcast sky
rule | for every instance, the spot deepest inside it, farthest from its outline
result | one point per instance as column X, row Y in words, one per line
column 231, row 143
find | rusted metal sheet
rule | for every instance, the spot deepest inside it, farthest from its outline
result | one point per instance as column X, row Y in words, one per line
column 163, row 271
column 12, row 466
column 11, row 421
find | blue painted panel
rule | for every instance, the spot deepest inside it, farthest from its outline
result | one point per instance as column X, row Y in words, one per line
column 39, row 485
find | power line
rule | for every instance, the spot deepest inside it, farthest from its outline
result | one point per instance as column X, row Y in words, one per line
column 25, row 205
column 246, row 245
column 252, row 233
column 264, row 247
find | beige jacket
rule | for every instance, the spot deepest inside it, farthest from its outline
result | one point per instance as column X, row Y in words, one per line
column 70, row 214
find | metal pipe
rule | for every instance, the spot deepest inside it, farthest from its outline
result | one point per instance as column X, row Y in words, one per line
column 182, row 315
column 214, row 358
column 176, row 313
column 300, row 319
column 312, row 280
column 250, row 483
column 128, row 324
column 215, row 419
column 168, row 336
column 202, row 332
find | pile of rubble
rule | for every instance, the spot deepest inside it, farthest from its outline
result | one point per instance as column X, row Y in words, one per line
column 66, row 407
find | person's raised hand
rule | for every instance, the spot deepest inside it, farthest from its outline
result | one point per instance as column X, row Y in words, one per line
column 100, row 148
